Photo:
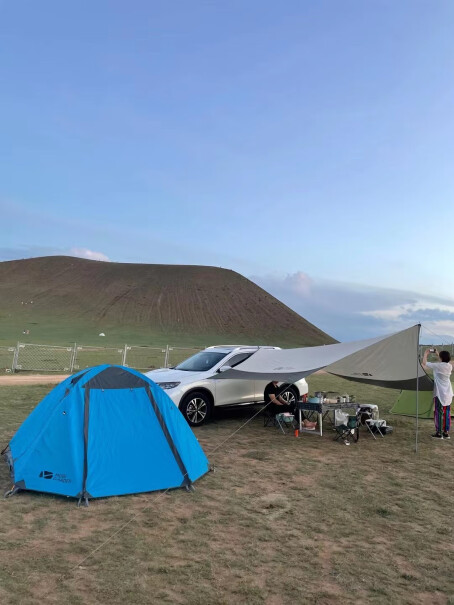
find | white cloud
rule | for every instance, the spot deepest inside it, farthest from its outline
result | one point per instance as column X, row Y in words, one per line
column 299, row 282
column 443, row 327
column 351, row 311
column 401, row 311
column 86, row 253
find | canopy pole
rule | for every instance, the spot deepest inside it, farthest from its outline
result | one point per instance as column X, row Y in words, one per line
column 417, row 389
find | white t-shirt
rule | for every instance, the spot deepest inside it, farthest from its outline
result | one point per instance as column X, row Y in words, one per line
column 442, row 387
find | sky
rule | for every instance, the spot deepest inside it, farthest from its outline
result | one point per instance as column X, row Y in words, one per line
column 307, row 145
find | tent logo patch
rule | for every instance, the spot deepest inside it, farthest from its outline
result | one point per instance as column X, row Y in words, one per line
column 55, row 476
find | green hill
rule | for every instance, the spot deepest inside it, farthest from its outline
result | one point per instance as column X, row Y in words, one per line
column 61, row 300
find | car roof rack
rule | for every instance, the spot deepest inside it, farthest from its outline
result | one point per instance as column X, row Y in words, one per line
column 242, row 347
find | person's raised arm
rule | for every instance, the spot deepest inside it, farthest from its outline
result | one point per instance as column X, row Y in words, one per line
column 424, row 359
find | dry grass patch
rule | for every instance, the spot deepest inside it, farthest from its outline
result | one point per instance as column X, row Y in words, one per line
column 282, row 520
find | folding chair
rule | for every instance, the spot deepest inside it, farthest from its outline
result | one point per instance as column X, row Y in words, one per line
column 376, row 426
column 286, row 422
column 346, row 427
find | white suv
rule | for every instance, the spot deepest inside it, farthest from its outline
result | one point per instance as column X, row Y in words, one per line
column 193, row 390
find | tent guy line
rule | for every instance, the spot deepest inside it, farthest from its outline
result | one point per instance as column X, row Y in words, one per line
column 119, row 530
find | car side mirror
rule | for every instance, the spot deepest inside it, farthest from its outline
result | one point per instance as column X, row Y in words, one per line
column 224, row 369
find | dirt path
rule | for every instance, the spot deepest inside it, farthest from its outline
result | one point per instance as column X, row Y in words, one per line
column 18, row 380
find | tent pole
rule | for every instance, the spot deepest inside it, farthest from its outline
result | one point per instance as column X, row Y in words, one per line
column 417, row 388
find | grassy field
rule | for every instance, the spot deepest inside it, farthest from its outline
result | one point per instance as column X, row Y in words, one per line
column 55, row 331
column 282, row 520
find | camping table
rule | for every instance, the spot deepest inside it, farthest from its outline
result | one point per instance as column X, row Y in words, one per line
column 323, row 410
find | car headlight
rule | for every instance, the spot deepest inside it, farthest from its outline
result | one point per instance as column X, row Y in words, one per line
column 167, row 385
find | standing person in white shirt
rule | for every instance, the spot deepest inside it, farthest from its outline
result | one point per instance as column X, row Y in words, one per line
column 443, row 393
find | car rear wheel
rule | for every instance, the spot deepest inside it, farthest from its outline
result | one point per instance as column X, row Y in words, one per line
column 196, row 408
column 290, row 395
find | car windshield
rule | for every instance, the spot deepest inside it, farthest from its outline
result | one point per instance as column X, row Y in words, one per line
column 201, row 362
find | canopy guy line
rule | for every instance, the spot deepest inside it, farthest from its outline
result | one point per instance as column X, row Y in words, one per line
column 442, row 340
column 384, row 361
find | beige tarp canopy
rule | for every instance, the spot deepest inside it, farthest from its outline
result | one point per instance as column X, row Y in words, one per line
column 389, row 361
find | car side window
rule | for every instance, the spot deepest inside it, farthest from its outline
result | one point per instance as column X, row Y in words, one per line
column 236, row 359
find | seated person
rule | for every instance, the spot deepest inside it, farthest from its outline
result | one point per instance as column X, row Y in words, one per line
column 277, row 405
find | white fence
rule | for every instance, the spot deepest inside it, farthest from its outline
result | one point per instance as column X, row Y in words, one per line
column 51, row 358
column 7, row 356
column 442, row 347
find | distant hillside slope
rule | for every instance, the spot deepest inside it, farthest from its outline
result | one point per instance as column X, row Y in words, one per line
column 60, row 298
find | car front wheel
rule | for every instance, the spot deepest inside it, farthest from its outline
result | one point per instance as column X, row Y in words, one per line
column 196, row 408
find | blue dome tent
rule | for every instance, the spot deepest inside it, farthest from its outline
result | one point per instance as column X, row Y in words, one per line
column 105, row 431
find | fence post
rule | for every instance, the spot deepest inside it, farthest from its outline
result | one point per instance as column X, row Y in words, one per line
column 73, row 359
column 166, row 358
column 15, row 358
column 123, row 359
